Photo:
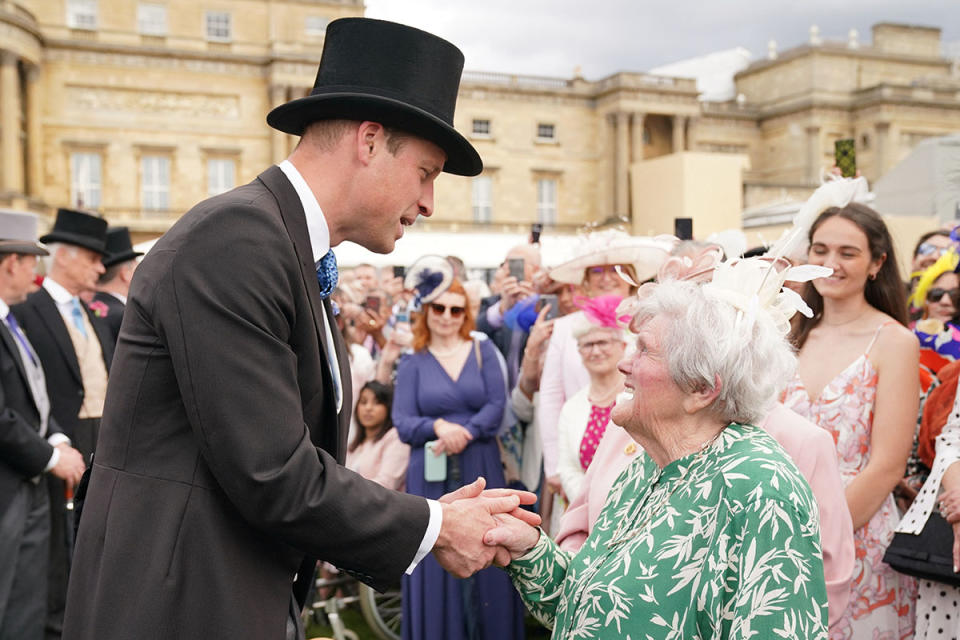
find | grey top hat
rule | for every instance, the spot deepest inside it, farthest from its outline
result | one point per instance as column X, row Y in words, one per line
column 18, row 233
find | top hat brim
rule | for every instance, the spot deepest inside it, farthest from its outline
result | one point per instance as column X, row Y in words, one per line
column 76, row 239
column 294, row 116
column 111, row 260
column 16, row 246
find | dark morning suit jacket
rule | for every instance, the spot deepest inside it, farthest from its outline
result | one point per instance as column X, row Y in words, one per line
column 217, row 478
column 114, row 313
column 502, row 336
column 23, row 453
column 41, row 321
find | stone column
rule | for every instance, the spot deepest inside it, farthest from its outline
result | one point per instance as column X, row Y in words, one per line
column 34, row 134
column 883, row 149
column 637, row 146
column 679, row 134
column 11, row 148
column 813, row 154
column 279, row 143
column 622, row 165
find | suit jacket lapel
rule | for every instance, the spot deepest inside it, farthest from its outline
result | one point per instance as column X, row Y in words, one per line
column 11, row 344
column 103, row 335
column 346, row 381
column 294, row 219
column 48, row 312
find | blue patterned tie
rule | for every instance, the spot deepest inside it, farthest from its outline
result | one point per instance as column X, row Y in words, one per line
column 327, row 274
column 77, row 314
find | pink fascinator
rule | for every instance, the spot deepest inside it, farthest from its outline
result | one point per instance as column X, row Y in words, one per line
column 602, row 311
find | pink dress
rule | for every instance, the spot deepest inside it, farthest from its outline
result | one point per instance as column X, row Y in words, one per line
column 882, row 601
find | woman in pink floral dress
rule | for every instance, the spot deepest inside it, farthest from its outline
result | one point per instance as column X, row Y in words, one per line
column 857, row 378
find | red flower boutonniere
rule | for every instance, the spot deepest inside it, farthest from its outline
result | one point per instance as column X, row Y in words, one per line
column 99, row 309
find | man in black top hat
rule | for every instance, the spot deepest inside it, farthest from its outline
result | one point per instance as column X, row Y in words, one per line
column 113, row 287
column 218, row 480
column 31, row 444
column 75, row 350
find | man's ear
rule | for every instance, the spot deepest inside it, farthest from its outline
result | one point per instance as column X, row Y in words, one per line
column 369, row 140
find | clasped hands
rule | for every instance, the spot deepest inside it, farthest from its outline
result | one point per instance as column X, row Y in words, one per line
column 481, row 528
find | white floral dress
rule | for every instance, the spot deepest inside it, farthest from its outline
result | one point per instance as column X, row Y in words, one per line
column 721, row 544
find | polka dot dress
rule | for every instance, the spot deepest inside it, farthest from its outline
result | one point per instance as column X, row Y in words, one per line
column 596, row 425
column 938, row 612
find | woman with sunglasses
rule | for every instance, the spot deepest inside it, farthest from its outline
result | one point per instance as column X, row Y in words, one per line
column 450, row 392
column 937, row 295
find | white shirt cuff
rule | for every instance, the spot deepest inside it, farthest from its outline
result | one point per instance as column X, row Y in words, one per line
column 54, row 459
column 58, row 438
column 431, row 535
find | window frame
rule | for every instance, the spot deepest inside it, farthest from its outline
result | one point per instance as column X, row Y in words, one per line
column 158, row 28
column 81, row 190
column 313, row 32
column 155, row 196
column 227, row 185
column 481, row 199
column 547, row 210
column 209, row 16
column 480, row 133
column 82, row 9
column 553, row 132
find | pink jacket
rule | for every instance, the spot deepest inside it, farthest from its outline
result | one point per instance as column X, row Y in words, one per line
column 384, row 461
column 810, row 447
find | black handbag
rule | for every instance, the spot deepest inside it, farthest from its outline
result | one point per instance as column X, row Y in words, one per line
column 928, row 555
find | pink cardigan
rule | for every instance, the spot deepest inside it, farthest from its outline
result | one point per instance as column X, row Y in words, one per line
column 810, row 447
column 384, row 461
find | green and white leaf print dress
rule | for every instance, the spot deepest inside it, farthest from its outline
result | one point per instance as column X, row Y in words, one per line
column 720, row 544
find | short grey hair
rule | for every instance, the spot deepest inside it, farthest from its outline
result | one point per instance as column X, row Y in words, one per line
column 53, row 248
column 706, row 339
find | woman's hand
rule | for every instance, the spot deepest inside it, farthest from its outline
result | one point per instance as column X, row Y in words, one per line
column 513, row 534
column 532, row 364
column 453, row 438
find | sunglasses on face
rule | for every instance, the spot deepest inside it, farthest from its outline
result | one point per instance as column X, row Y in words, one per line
column 935, row 295
column 927, row 249
column 439, row 309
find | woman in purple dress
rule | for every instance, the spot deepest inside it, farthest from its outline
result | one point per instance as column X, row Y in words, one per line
column 451, row 392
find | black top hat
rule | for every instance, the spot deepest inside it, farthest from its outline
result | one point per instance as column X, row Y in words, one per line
column 79, row 228
column 119, row 247
column 389, row 73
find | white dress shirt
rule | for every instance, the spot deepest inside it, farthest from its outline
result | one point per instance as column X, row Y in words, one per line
column 319, row 234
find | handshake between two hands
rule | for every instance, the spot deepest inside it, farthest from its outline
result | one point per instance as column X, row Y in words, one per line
column 481, row 528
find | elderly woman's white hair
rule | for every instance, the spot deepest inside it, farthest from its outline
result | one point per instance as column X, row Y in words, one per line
column 707, row 339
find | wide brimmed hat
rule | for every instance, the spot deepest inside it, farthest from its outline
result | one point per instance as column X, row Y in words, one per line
column 429, row 277
column 615, row 247
column 78, row 228
column 119, row 247
column 18, row 233
column 388, row 73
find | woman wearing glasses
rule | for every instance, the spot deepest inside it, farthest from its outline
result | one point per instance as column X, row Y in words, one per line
column 450, row 393
column 937, row 296
column 585, row 415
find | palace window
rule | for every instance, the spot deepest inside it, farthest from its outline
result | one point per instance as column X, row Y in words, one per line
column 546, row 131
column 221, row 174
column 85, row 179
column 482, row 199
column 218, row 26
column 82, row 14
column 547, row 201
column 152, row 19
column 316, row 26
column 155, row 183
column 481, row 128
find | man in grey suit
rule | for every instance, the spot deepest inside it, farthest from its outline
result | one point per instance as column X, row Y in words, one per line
column 31, row 444
column 218, row 481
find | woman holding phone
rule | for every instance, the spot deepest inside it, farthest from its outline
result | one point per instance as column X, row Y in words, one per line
column 448, row 407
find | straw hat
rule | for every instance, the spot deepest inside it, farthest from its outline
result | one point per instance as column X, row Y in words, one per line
column 615, row 247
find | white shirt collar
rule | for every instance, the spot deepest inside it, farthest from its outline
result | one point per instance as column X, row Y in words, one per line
column 4, row 310
column 57, row 292
column 317, row 227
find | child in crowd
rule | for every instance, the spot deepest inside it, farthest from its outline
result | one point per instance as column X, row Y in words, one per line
column 376, row 452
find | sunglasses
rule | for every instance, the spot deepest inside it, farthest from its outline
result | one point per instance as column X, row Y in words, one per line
column 927, row 249
column 935, row 294
column 439, row 309
column 602, row 345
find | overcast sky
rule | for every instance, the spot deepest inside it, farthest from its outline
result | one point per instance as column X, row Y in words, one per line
column 552, row 37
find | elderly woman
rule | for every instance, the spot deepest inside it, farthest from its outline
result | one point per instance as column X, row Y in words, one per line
column 593, row 271
column 585, row 415
column 711, row 532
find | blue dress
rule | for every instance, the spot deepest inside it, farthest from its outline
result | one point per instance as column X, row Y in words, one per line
column 435, row 604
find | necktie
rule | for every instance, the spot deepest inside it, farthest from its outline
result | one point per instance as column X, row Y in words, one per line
column 76, row 314
column 22, row 339
column 327, row 274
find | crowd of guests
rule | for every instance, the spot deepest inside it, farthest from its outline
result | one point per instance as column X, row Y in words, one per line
column 622, row 386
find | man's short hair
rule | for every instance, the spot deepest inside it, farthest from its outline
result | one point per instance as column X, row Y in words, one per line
column 325, row 134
